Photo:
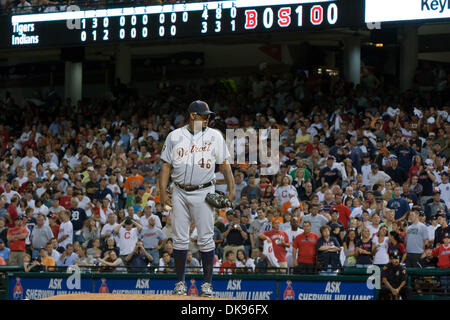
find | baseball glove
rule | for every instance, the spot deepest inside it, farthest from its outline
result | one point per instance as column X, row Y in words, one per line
column 218, row 200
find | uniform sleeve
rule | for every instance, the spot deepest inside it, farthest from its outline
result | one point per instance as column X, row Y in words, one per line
column 221, row 152
column 166, row 154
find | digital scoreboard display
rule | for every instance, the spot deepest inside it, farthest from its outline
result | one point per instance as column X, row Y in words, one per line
column 406, row 10
column 160, row 22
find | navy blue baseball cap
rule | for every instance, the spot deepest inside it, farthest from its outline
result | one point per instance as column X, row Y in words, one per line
column 199, row 107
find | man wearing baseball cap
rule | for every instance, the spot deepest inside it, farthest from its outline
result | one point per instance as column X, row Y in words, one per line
column 441, row 230
column 442, row 252
column 393, row 278
column 16, row 238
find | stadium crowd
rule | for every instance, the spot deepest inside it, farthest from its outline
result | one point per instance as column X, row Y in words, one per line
column 36, row 6
column 363, row 175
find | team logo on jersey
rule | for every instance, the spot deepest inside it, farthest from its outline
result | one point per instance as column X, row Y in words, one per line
column 184, row 152
column 289, row 293
column 193, row 289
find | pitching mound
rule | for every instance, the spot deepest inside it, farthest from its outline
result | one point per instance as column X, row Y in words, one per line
column 109, row 296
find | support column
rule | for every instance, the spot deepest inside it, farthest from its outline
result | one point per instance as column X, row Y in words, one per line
column 352, row 59
column 73, row 83
column 123, row 63
column 409, row 48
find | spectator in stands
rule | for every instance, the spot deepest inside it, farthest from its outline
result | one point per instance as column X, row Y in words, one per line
column 65, row 234
column 153, row 238
column 54, row 226
column 128, row 233
column 316, row 220
column 23, row 7
column 90, row 231
column 328, row 249
column 304, row 252
column 441, row 230
column 11, row 212
column 279, row 240
column 139, row 258
column 349, row 245
column 399, row 204
column 166, row 263
column 40, row 235
column 52, row 252
column 380, row 247
column 112, row 263
column 4, row 251
column 16, row 238
column 83, row 260
column 77, row 217
column 244, row 264
column 234, row 235
column 68, row 257
column 435, row 205
column 396, row 245
column 28, row 264
column 46, row 262
column 251, row 190
column 229, row 264
column 416, row 239
column 192, row 263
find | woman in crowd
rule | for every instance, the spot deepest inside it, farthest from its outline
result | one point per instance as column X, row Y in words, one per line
column 380, row 246
column 90, row 231
column 349, row 245
column 244, row 264
column 364, row 248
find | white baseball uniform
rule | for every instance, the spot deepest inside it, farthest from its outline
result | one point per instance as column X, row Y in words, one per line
column 193, row 157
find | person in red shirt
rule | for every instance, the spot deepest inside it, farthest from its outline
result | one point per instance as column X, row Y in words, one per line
column 52, row 221
column 11, row 212
column 227, row 267
column 344, row 211
column 304, row 251
column 16, row 238
column 65, row 200
column 279, row 240
column 442, row 251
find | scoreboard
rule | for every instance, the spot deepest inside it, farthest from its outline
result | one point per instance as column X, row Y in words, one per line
column 75, row 27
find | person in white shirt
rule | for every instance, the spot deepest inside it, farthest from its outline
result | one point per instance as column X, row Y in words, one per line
column 444, row 186
column 29, row 158
column 374, row 224
column 432, row 228
column 9, row 193
column 380, row 246
column 84, row 202
column 239, row 184
column 375, row 175
column 292, row 233
column 108, row 228
column 147, row 215
column 65, row 235
column 128, row 232
column 286, row 191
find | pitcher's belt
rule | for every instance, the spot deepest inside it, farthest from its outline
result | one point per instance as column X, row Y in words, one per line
column 192, row 187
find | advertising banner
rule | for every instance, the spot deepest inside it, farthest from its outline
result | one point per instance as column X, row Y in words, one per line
column 233, row 289
column 40, row 288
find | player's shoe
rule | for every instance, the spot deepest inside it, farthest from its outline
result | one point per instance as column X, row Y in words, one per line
column 206, row 290
column 180, row 289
